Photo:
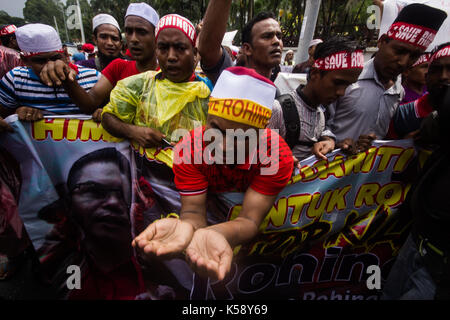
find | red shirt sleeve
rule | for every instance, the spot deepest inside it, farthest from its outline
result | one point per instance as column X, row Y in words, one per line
column 276, row 168
column 112, row 71
column 189, row 179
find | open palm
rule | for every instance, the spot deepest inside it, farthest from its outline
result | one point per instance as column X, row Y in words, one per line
column 164, row 237
column 209, row 254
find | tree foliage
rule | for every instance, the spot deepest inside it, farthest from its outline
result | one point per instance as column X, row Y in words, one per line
column 335, row 16
column 5, row 18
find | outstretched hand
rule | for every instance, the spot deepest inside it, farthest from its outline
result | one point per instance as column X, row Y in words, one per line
column 209, row 254
column 164, row 237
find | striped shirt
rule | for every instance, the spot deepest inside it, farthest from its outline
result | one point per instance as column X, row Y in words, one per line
column 21, row 87
column 312, row 125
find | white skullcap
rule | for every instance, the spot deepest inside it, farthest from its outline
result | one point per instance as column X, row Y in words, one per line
column 143, row 10
column 38, row 38
column 104, row 18
column 315, row 42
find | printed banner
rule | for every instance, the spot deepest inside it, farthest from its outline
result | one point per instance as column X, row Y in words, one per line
column 85, row 194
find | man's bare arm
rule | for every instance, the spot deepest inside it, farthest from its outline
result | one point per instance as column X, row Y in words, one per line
column 56, row 73
column 193, row 210
column 245, row 227
column 213, row 30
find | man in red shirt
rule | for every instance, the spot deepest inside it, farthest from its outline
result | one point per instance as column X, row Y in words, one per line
column 241, row 101
column 140, row 22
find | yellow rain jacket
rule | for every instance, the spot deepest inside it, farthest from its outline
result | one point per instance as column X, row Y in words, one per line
column 148, row 101
column 145, row 100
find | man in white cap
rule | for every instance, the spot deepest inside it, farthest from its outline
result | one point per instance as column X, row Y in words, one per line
column 241, row 100
column 140, row 23
column 21, row 89
column 304, row 66
column 108, row 39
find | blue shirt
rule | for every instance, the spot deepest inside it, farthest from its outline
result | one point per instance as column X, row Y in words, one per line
column 22, row 87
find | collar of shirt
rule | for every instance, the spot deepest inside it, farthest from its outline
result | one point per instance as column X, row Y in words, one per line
column 369, row 73
column 244, row 166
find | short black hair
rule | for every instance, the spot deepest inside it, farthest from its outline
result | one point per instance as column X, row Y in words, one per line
column 247, row 30
column 106, row 155
column 96, row 31
column 336, row 44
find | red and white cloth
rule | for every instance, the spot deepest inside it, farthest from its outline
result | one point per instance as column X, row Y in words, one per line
column 340, row 61
column 177, row 22
column 244, row 96
column 444, row 52
column 9, row 29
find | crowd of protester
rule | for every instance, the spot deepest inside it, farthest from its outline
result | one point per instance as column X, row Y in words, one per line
column 175, row 75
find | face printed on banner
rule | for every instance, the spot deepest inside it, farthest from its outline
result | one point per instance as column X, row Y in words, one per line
column 394, row 57
column 100, row 202
column 140, row 35
column 266, row 45
column 176, row 55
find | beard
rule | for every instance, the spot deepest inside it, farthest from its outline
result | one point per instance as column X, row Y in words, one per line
column 107, row 59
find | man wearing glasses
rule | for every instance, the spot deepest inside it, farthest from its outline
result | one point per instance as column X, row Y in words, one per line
column 99, row 185
column 21, row 89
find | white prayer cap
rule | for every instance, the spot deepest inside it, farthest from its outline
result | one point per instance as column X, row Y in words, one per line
column 37, row 38
column 315, row 42
column 143, row 10
column 104, row 18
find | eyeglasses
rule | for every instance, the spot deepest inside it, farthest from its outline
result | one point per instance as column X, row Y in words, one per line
column 96, row 191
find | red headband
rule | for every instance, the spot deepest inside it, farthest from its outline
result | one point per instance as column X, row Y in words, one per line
column 422, row 59
column 177, row 22
column 416, row 35
column 10, row 29
column 444, row 52
column 340, row 61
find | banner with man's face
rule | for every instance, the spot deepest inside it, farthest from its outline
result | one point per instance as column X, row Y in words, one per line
column 83, row 195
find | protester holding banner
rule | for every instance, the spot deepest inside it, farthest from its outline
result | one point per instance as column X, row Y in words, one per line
column 108, row 39
column 261, row 41
column 21, row 89
column 140, row 23
column 408, row 117
column 369, row 104
column 338, row 63
column 209, row 248
column 413, row 79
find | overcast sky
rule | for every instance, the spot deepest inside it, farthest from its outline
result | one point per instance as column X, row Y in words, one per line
column 14, row 7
